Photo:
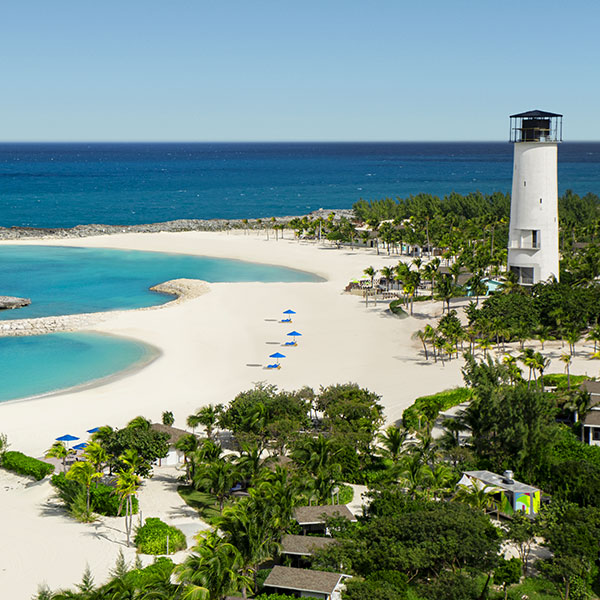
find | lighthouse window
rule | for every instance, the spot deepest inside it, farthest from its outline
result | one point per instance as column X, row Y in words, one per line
column 524, row 184
column 540, row 200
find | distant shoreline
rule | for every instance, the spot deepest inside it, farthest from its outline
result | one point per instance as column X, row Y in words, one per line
column 79, row 231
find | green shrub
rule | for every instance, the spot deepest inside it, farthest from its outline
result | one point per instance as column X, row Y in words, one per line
column 396, row 308
column 151, row 538
column 17, row 462
column 427, row 408
column 358, row 589
column 560, row 380
column 103, row 499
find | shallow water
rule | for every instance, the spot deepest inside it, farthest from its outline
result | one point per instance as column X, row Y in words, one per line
column 41, row 364
column 62, row 280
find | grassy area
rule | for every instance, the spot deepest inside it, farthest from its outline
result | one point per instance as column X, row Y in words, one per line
column 427, row 408
column 206, row 504
column 533, row 588
column 559, row 380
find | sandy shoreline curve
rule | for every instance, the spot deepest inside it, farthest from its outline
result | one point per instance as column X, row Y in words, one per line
column 183, row 289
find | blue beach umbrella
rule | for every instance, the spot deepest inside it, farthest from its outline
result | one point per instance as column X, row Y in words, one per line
column 67, row 438
column 289, row 312
column 293, row 334
column 80, row 446
column 93, row 430
column 277, row 355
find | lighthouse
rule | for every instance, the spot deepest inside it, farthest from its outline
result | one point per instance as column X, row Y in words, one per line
column 533, row 232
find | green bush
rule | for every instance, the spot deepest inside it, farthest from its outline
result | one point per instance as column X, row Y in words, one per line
column 560, row 380
column 151, row 538
column 17, row 462
column 427, row 408
column 396, row 308
column 103, row 499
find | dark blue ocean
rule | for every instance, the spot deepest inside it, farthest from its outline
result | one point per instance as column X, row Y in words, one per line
column 62, row 185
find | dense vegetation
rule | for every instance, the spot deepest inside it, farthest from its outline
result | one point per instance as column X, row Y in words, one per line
column 19, row 463
column 156, row 537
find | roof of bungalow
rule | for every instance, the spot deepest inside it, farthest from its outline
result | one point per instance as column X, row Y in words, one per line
column 175, row 434
column 535, row 113
column 498, row 481
column 303, row 545
column 592, row 419
column 592, row 388
column 314, row 515
column 303, row 580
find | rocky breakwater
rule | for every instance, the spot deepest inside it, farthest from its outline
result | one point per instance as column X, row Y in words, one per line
column 183, row 289
column 10, row 302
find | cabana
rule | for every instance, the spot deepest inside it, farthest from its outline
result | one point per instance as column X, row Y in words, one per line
column 510, row 496
column 298, row 548
column 313, row 519
column 304, row 582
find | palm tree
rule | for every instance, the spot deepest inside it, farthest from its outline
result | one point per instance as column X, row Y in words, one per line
column 514, row 373
column 567, row 359
column 594, row 336
column 208, row 416
column 126, row 488
column 477, row 496
column 139, row 422
column 388, row 273
column 528, row 359
column 540, row 364
column 393, row 440
column 59, row 450
column 422, row 336
column 247, row 527
column 573, row 336
column 84, row 473
column 187, row 444
column 370, row 272
column 413, row 474
column 213, row 571
column 96, row 454
column 249, row 461
column 219, row 477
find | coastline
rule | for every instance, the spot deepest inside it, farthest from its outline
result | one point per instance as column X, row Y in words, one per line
column 152, row 354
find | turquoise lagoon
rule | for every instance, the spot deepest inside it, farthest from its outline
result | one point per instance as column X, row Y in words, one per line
column 42, row 364
column 64, row 280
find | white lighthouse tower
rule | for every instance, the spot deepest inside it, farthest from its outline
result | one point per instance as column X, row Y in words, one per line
column 533, row 233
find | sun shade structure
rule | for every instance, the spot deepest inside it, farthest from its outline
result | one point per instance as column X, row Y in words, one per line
column 288, row 312
column 293, row 334
column 67, row 438
column 93, row 430
column 277, row 355
column 80, row 446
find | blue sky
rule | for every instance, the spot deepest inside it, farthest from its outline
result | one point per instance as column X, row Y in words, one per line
column 228, row 70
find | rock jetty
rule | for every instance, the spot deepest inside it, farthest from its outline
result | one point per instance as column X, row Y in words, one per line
column 15, row 233
column 8, row 302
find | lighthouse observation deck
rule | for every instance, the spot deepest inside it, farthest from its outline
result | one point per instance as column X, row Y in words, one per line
column 536, row 126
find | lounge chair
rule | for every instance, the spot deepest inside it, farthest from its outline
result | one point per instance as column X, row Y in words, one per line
column 290, row 344
column 285, row 321
column 273, row 367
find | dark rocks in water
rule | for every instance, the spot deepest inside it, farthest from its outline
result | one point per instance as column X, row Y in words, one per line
column 12, row 302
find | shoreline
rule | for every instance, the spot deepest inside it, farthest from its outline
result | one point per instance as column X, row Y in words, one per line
column 152, row 354
column 183, row 289
column 177, row 225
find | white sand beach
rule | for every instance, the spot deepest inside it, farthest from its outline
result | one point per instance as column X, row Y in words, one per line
column 213, row 347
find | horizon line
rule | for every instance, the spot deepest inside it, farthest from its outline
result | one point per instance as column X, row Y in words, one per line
column 275, row 141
